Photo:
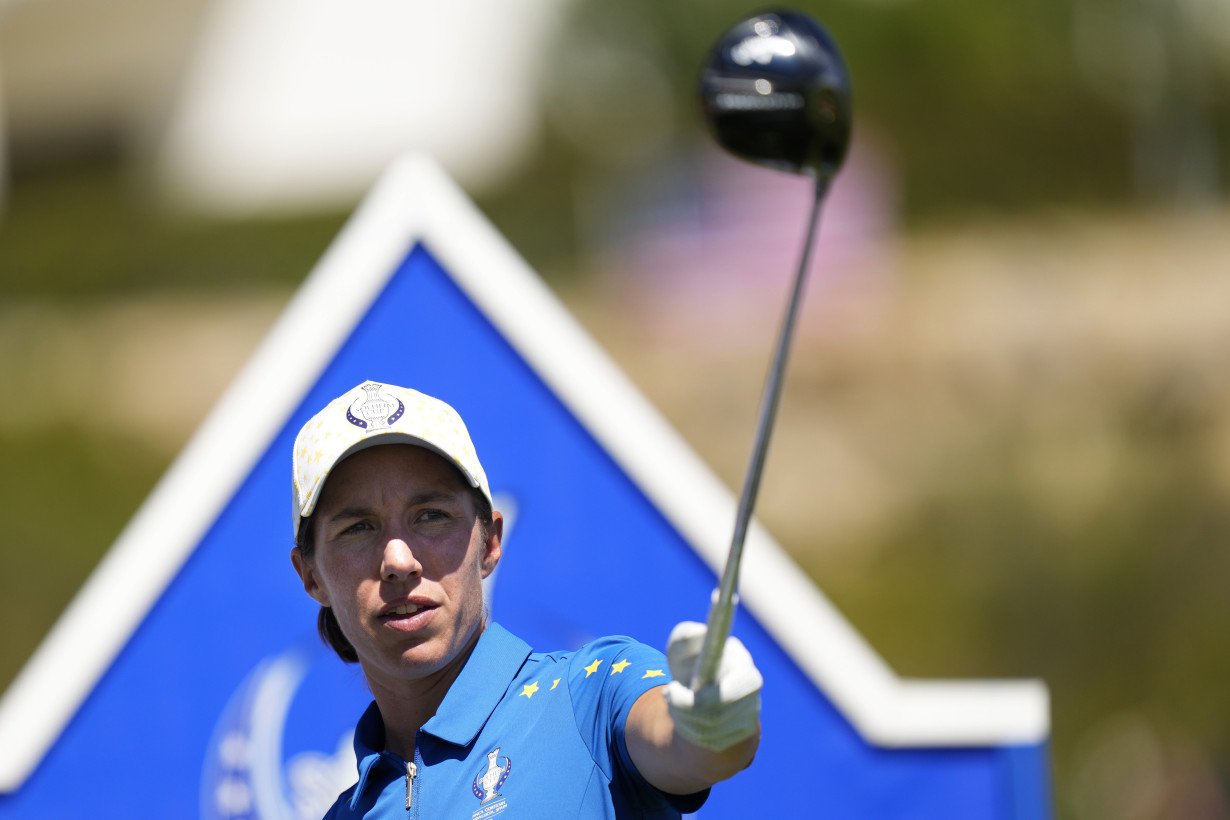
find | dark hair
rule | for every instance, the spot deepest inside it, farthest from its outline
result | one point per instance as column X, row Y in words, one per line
column 327, row 627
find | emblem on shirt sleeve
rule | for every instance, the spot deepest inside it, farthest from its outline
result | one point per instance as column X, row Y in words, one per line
column 488, row 782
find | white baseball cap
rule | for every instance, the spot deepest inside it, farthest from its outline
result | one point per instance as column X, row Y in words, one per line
column 374, row 413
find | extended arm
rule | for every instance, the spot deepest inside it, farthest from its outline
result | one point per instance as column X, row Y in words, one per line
column 683, row 741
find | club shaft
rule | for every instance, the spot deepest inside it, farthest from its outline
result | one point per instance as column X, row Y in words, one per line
column 721, row 610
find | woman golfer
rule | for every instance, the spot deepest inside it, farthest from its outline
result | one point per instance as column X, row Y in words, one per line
column 394, row 534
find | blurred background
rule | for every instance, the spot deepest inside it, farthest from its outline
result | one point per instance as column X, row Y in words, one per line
column 1004, row 444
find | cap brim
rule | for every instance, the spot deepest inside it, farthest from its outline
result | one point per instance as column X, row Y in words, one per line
column 378, row 438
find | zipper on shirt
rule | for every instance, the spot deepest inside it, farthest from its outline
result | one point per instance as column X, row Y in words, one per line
column 411, row 772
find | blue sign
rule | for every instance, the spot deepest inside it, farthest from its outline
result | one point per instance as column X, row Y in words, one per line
column 187, row 678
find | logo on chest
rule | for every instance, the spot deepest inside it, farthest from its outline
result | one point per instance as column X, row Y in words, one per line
column 487, row 784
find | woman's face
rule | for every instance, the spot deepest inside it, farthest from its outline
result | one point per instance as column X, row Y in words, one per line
column 400, row 555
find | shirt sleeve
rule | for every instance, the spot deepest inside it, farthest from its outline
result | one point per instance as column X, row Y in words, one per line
column 605, row 678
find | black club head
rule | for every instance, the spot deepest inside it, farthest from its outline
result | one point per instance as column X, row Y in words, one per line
column 775, row 91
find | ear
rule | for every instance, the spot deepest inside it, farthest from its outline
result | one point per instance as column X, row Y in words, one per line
column 492, row 549
column 307, row 574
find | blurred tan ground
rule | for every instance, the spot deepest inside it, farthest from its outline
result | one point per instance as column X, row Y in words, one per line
column 1041, row 330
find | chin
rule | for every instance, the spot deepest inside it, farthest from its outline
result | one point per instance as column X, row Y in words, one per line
column 420, row 663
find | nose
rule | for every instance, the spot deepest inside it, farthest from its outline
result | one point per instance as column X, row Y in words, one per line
column 398, row 562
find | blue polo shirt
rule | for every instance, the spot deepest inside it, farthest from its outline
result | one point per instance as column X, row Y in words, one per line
column 521, row 734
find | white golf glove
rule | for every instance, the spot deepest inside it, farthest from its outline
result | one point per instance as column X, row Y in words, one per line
column 723, row 713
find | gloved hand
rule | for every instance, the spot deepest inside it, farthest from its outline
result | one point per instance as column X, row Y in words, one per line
column 723, row 713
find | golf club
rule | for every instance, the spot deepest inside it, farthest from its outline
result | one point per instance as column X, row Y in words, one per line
column 776, row 92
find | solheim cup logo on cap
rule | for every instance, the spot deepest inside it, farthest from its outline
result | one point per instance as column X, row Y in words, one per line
column 375, row 409
column 488, row 782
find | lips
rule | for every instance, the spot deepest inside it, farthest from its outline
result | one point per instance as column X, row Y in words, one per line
column 407, row 615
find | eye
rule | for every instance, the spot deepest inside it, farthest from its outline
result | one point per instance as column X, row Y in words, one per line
column 356, row 528
column 432, row 515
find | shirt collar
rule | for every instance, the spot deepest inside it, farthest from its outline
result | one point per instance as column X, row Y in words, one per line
column 368, row 744
column 491, row 667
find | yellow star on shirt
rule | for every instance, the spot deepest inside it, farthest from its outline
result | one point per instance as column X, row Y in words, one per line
column 554, row 684
column 653, row 673
column 592, row 668
column 529, row 689
column 616, row 668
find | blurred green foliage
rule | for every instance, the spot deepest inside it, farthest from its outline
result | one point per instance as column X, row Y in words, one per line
column 1120, row 613
column 86, row 229
column 983, row 106
column 979, row 107
column 66, row 495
